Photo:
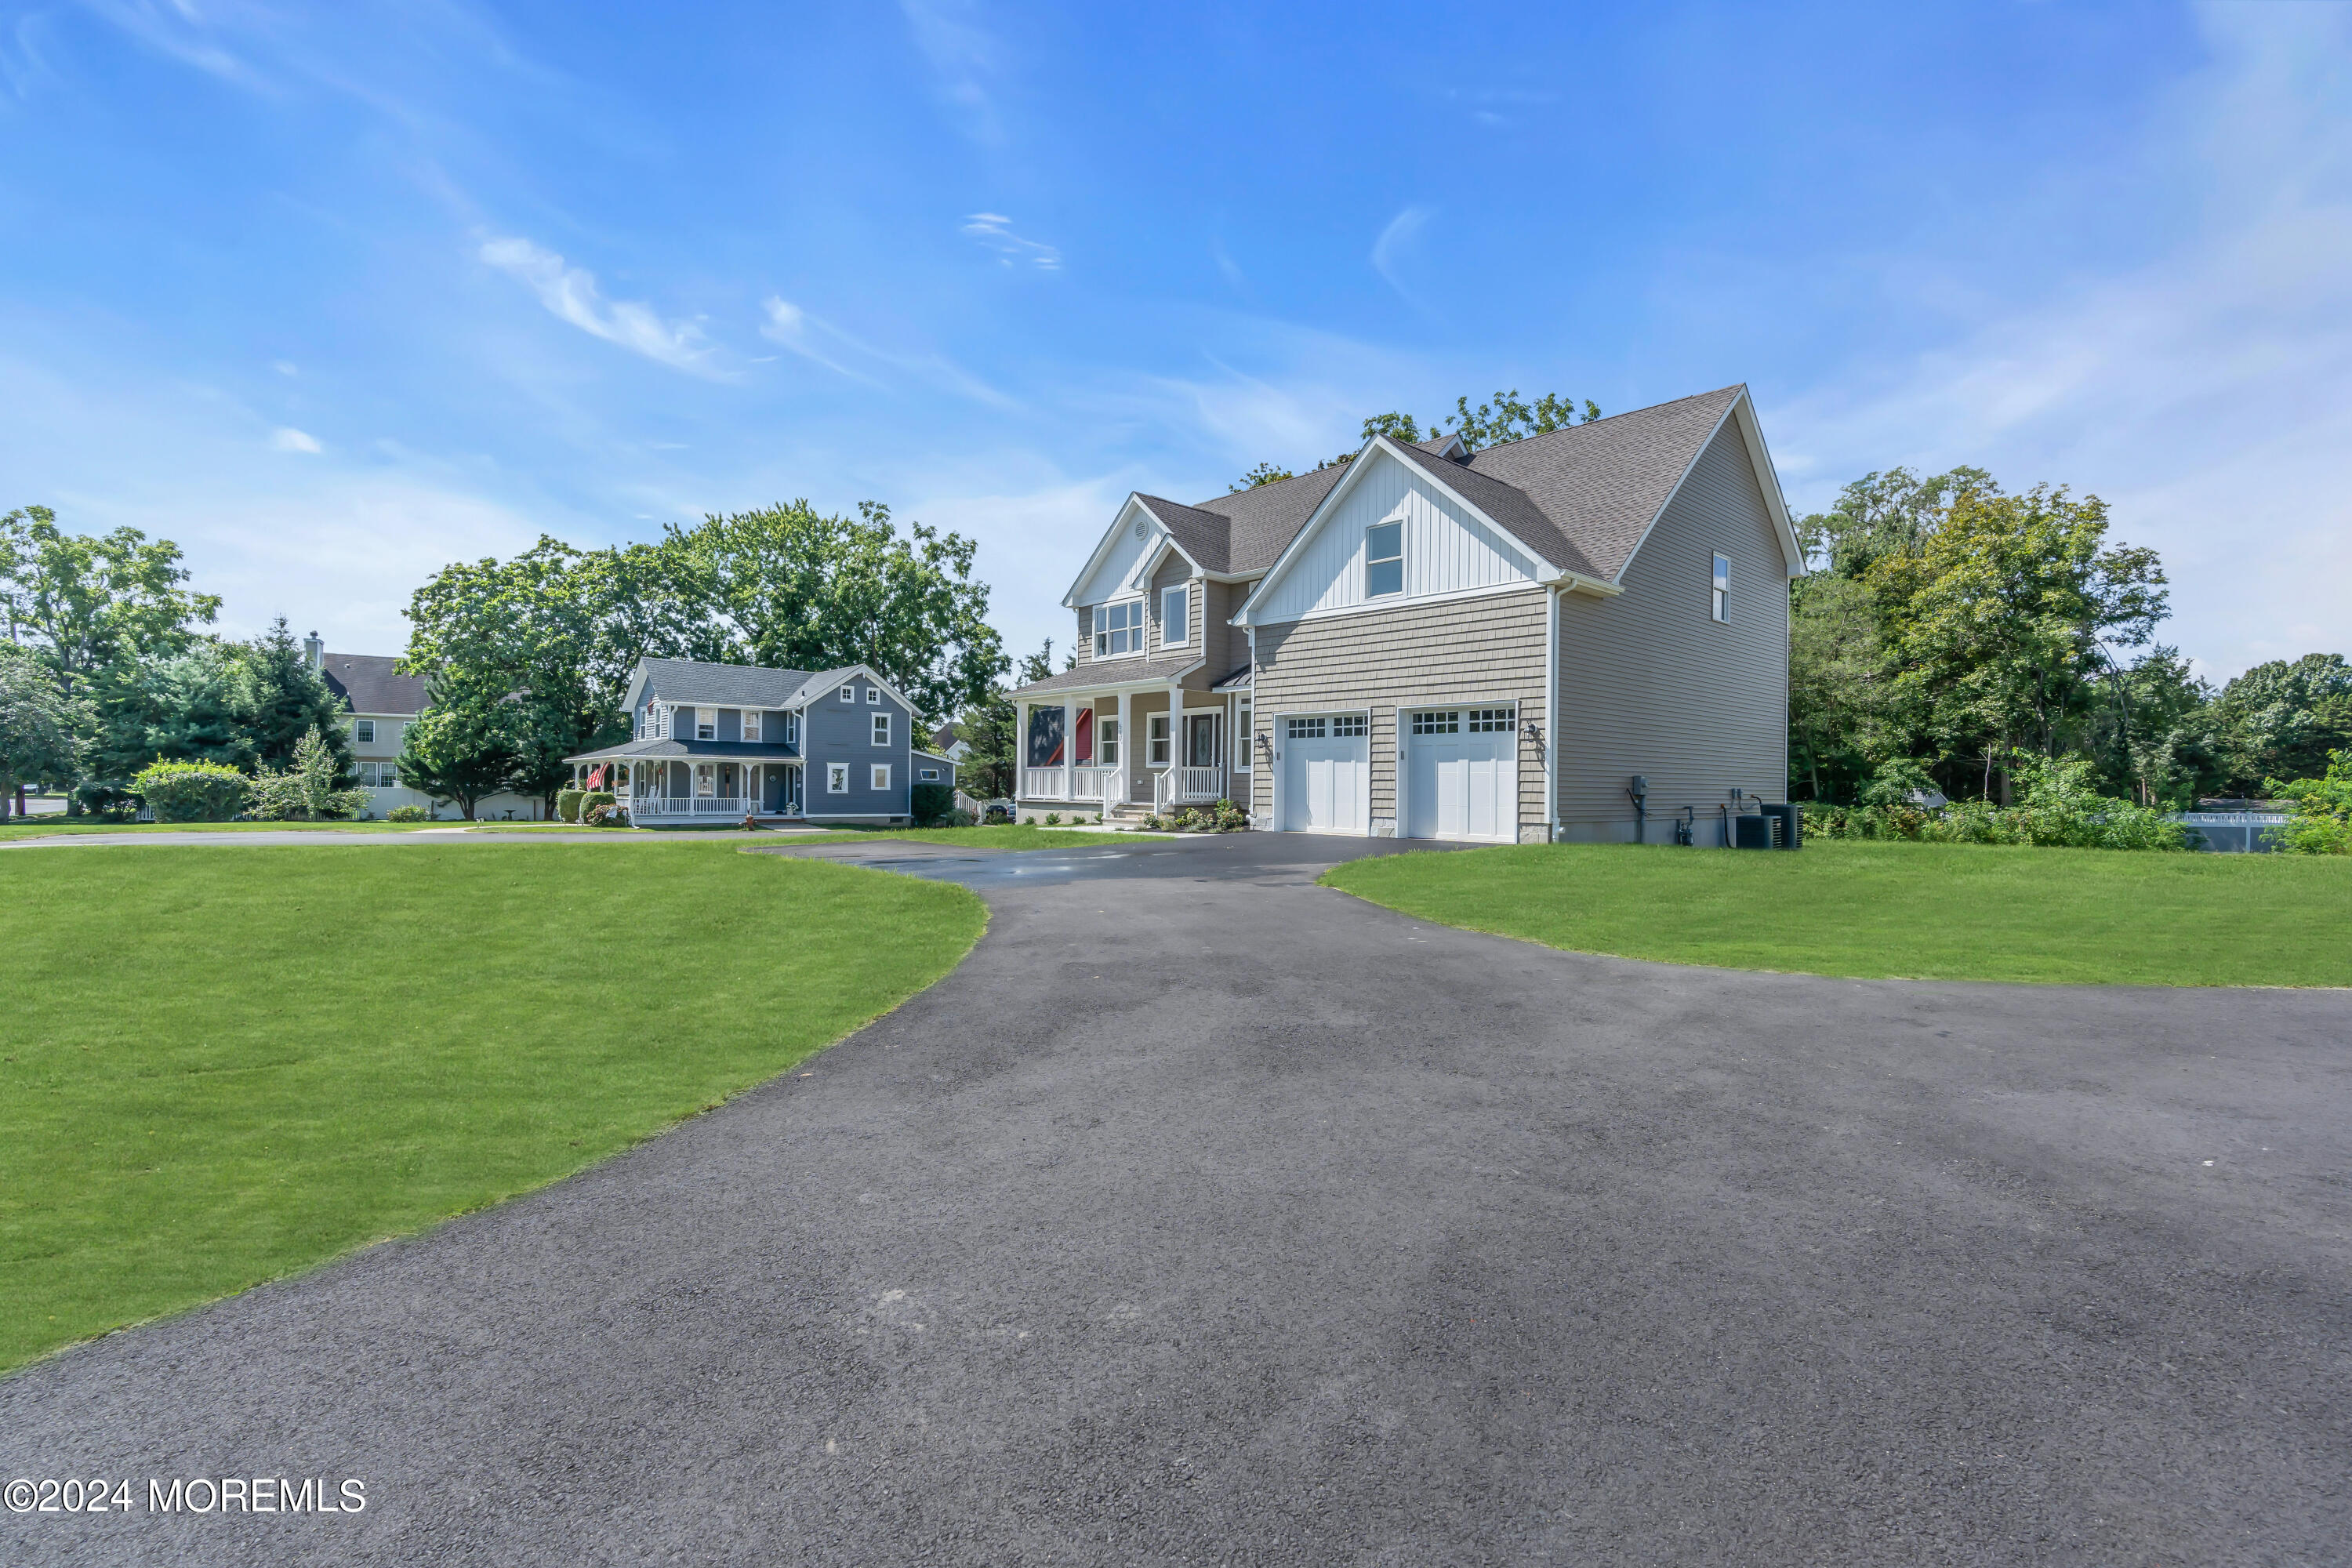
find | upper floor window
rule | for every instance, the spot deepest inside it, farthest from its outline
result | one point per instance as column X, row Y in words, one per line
column 849, row 694
column 1383, row 559
column 706, row 723
column 750, row 723
column 1722, row 595
column 881, row 729
column 364, row 732
column 791, row 736
column 1119, row 628
column 873, row 695
column 1175, row 616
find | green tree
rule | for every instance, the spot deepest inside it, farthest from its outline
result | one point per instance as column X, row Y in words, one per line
column 83, row 602
column 467, row 744
column 288, row 698
column 40, row 727
column 311, row 789
column 2281, row 720
column 1264, row 474
column 1998, row 629
column 2321, row 823
column 1508, row 417
column 558, row 630
column 195, row 706
column 796, row 588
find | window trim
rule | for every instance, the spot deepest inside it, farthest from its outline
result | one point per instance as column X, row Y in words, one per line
column 1246, row 735
column 1101, row 630
column 878, row 727
column 873, row 695
column 849, row 694
column 1370, row 561
column 700, row 724
column 836, row 778
column 1106, row 740
column 1719, row 594
column 930, row 775
column 755, row 725
column 1183, row 636
column 1157, row 747
column 364, row 732
column 878, row 778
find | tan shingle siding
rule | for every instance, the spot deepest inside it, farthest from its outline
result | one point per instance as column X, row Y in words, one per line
column 1484, row 650
column 1649, row 684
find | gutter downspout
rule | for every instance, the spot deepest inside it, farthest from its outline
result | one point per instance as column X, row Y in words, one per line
column 1551, row 716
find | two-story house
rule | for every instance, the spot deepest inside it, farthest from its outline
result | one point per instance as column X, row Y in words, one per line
column 730, row 741
column 384, row 703
column 1429, row 642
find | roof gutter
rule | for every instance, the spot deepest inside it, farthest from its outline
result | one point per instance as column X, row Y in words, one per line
column 1577, row 583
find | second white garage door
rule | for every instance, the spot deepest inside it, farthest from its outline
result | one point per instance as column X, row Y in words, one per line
column 1462, row 774
column 1327, row 772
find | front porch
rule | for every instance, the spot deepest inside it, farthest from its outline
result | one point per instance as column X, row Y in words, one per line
column 1128, row 753
column 671, row 790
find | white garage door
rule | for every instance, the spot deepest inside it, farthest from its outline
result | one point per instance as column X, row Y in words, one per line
column 1462, row 774
column 1327, row 772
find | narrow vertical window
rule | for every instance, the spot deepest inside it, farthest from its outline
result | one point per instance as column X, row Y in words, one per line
column 1722, row 597
column 1175, row 616
column 881, row 729
column 1383, row 559
column 364, row 732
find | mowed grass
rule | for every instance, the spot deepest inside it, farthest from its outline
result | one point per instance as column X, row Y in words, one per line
column 223, row 1065
column 49, row 827
column 1930, row 911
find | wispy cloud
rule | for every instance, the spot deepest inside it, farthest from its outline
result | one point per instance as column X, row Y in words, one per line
column 995, row 231
column 1394, row 242
column 803, row 333
column 286, row 438
column 570, row 294
column 179, row 31
column 2207, row 396
column 962, row 56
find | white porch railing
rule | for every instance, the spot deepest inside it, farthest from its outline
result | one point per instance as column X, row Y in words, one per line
column 1044, row 783
column 1097, row 785
column 654, row 805
column 1088, row 783
column 1185, row 787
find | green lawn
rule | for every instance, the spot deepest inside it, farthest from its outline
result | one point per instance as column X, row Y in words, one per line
column 48, row 827
column 220, row 1066
column 1941, row 911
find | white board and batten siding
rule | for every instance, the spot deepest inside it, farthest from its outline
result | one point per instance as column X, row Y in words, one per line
column 1110, row 579
column 1650, row 683
column 1447, row 549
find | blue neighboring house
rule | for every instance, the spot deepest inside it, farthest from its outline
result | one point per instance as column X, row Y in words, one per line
column 735, row 739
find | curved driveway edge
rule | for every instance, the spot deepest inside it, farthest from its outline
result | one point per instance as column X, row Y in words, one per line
column 1208, row 1214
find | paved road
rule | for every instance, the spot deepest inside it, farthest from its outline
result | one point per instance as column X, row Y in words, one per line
column 1206, row 1215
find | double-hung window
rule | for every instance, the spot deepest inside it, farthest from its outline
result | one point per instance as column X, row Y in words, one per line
column 1245, row 738
column 1722, row 595
column 364, row 732
column 750, row 723
column 1383, row 559
column 1119, row 628
column 881, row 729
column 387, row 774
column 1107, row 743
column 1157, row 733
column 706, row 723
column 1175, row 616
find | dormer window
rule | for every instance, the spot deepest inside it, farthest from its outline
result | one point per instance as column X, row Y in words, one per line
column 1383, row 559
column 1119, row 628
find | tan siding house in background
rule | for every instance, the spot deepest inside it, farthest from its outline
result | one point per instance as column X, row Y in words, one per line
column 1427, row 641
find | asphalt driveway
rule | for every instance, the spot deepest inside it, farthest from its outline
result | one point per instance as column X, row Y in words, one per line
column 1206, row 1215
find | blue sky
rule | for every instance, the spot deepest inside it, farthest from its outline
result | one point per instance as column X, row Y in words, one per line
column 334, row 294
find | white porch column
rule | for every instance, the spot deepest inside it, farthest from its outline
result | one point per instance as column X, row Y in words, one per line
column 1070, row 752
column 1126, row 752
column 1020, row 753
